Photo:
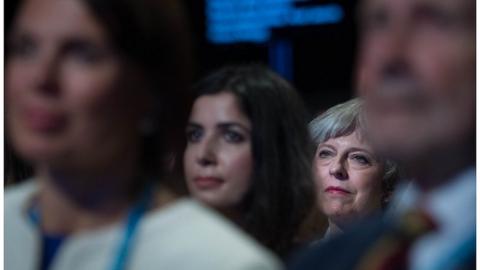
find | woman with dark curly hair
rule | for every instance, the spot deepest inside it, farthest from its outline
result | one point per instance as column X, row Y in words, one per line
column 249, row 153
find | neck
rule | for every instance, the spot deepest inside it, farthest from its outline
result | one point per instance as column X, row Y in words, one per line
column 70, row 203
column 233, row 215
column 334, row 227
column 163, row 197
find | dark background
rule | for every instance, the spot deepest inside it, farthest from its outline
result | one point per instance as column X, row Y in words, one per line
column 323, row 56
column 322, row 60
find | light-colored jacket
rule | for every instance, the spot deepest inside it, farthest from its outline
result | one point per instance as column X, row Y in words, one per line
column 183, row 235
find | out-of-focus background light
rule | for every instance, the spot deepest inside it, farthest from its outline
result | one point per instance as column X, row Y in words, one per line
column 230, row 21
column 309, row 42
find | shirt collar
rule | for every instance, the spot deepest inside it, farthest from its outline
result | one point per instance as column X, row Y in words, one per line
column 447, row 204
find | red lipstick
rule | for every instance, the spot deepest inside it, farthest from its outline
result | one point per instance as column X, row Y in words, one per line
column 43, row 120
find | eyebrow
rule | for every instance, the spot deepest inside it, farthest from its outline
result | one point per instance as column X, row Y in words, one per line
column 350, row 149
column 222, row 125
column 226, row 125
column 194, row 125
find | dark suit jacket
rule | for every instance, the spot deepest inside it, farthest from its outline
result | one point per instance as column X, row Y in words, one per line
column 348, row 250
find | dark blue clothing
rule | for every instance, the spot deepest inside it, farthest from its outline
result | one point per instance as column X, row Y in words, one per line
column 349, row 250
column 50, row 246
column 343, row 251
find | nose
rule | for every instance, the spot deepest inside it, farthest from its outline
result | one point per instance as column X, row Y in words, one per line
column 45, row 71
column 207, row 152
column 337, row 169
column 395, row 52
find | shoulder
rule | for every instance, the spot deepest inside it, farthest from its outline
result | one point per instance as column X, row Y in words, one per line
column 186, row 235
column 20, row 192
column 16, row 201
column 343, row 251
column 17, row 198
column 21, row 237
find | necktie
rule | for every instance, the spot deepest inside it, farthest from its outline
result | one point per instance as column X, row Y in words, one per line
column 391, row 249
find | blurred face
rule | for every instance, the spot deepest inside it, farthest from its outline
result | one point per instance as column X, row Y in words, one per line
column 218, row 160
column 65, row 108
column 348, row 178
column 417, row 74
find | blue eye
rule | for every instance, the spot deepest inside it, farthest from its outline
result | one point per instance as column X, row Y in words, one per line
column 361, row 159
column 324, row 154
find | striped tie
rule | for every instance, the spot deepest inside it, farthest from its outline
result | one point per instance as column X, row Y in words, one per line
column 390, row 251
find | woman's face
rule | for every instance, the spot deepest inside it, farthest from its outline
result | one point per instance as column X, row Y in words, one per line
column 218, row 159
column 348, row 178
column 64, row 104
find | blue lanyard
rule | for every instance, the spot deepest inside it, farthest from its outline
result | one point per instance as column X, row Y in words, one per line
column 130, row 228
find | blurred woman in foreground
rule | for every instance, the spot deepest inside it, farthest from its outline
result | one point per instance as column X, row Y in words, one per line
column 86, row 81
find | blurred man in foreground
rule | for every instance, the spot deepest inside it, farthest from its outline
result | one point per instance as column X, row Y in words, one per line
column 417, row 75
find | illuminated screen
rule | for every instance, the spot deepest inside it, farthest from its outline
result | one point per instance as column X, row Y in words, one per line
column 230, row 21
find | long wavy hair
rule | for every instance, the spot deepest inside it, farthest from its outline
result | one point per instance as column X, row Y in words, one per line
column 281, row 191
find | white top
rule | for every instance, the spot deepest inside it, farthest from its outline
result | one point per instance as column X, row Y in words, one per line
column 183, row 235
column 452, row 206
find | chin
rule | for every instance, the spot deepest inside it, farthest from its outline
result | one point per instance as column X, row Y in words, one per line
column 219, row 204
column 40, row 153
column 205, row 199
